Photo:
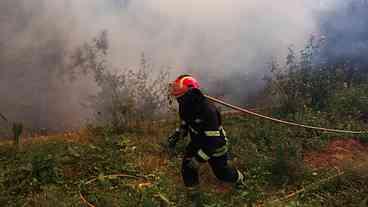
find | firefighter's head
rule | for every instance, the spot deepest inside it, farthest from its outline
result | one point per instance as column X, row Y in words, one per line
column 182, row 85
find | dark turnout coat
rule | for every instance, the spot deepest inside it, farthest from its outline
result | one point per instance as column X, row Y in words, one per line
column 202, row 120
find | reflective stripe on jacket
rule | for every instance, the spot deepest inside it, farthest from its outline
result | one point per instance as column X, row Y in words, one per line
column 202, row 120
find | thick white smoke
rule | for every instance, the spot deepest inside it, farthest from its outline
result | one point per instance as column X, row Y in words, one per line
column 217, row 36
column 214, row 39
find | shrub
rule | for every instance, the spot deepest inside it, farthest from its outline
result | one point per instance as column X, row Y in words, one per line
column 44, row 169
column 350, row 102
column 126, row 98
column 306, row 81
column 287, row 165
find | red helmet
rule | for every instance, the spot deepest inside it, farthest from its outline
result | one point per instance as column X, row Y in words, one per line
column 182, row 84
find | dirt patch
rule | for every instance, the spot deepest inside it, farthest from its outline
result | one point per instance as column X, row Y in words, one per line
column 338, row 153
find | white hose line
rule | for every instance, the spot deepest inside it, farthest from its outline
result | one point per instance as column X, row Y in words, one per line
column 282, row 121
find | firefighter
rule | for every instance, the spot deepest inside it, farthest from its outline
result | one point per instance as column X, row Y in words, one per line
column 208, row 143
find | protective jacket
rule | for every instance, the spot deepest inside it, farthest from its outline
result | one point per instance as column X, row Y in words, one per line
column 201, row 119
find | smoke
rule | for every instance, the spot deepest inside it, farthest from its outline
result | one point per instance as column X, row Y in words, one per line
column 226, row 42
column 33, row 47
column 345, row 28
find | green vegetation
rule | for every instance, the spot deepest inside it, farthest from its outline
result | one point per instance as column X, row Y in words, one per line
column 130, row 142
column 126, row 98
column 51, row 172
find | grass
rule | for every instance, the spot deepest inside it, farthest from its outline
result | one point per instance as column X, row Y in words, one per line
column 50, row 171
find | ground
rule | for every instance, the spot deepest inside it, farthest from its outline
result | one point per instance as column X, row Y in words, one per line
column 53, row 170
column 337, row 154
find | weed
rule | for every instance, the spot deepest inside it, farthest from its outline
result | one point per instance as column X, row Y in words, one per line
column 45, row 170
column 287, row 167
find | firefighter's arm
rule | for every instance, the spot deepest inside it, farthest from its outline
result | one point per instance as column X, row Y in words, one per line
column 179, row 133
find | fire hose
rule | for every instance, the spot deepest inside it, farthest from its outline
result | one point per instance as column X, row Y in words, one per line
column 281, row 121
column 243, row 110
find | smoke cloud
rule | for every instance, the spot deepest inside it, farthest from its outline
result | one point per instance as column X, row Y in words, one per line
column 224, row 42
column 345, row 28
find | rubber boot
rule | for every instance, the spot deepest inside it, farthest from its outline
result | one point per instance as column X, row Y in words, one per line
column 194, row 197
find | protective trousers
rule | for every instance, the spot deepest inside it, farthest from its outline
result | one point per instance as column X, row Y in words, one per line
column 219, row 166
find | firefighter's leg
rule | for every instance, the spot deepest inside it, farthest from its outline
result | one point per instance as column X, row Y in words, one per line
column 194, row 197
column 189, row 171
column 224, row 171
column 190, row 175
column 190, row 167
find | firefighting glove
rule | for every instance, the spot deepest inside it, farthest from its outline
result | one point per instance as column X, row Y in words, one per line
column 173, row 139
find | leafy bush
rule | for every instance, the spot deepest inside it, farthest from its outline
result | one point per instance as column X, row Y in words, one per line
column 126, row 98
column 307, row 82
column 350, row 102
column 44, row 169
column 287, row 166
